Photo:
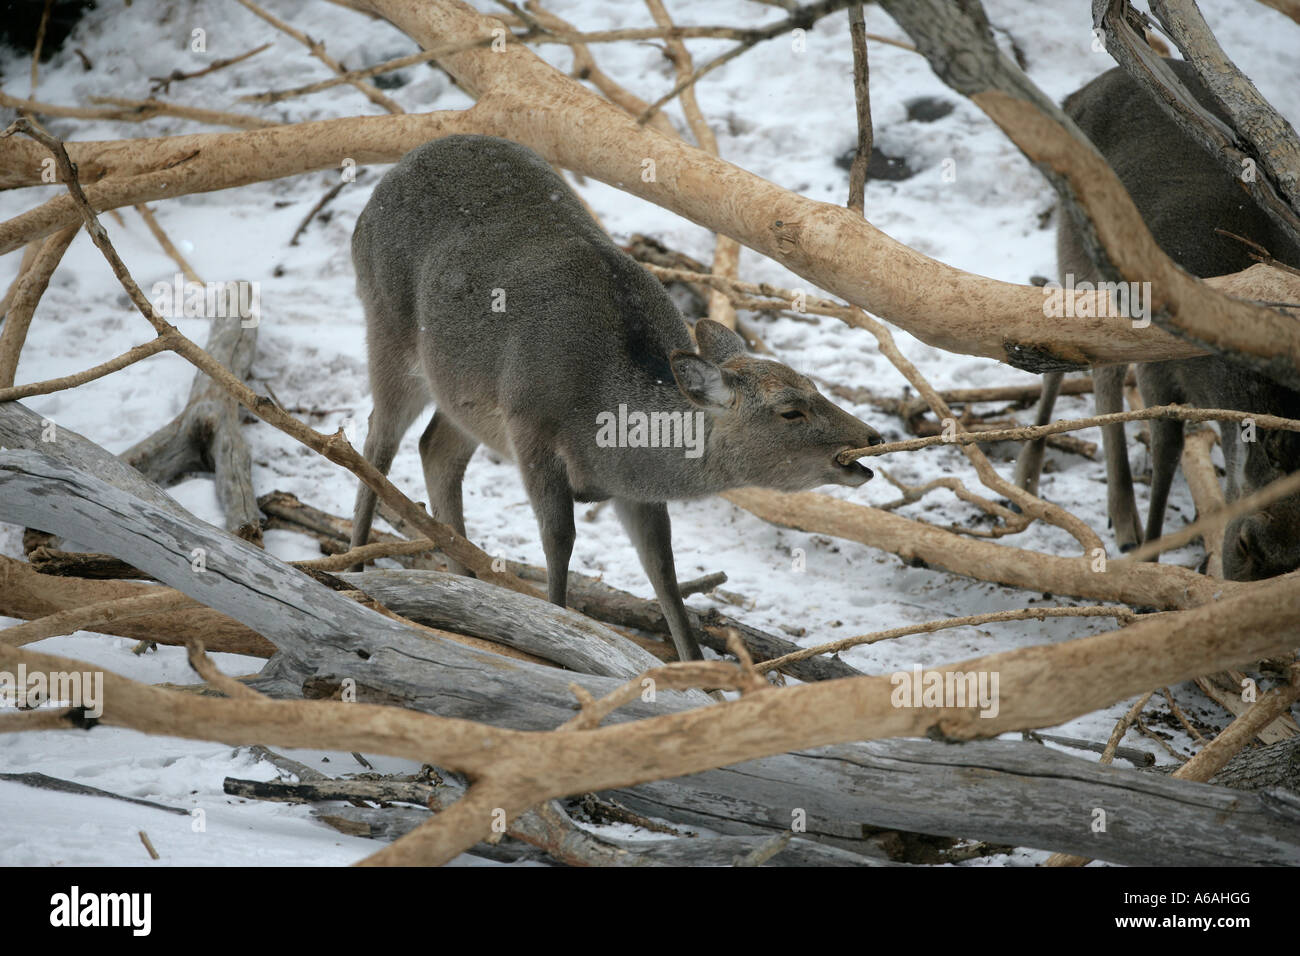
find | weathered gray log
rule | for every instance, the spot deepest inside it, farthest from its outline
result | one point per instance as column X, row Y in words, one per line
column 470, row 606
column 587, row 595
column 206, row 435
column 389, row 823
column 20, row 427
column 1009, row 793
column 547, row 827
column 1139, row 758
column 393, row 822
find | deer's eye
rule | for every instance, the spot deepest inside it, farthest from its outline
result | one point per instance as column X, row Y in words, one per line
column 793, row 414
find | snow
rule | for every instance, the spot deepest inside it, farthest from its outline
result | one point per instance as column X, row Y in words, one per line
column 784, row 115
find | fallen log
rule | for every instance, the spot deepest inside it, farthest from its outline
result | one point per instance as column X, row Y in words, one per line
column 469, row 606
column 587, row 595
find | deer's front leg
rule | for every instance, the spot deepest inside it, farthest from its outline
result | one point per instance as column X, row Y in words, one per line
column 648, row 526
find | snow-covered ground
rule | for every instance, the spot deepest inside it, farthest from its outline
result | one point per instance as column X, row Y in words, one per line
column 784, row 115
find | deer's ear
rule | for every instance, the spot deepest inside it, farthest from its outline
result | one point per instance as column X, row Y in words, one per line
column 717, row 342
column 702, row 382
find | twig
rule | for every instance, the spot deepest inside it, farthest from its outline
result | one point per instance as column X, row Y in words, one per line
column 167, row 246
column 1269, row 707
column 205, row 668
column 726, row 251
column 367, row 552
column 129, row 110
column 163, row 83
column 1122, row 614
column 567, row 38
column 136, row 111
column 321, row 204
column 40, row 42
column 1112, row 745
column 1031, row 432
column 1140, row 758
column 148, row 845
column 801, row 19
column 163, row 343
column 1182, row 718
column 760, row 855
column 585, row 68
column 317, row 49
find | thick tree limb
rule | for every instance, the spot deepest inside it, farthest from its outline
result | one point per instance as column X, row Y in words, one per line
column 828, row 245
column 1141, row 585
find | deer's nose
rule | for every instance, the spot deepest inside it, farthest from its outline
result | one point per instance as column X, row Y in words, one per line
column 876, row 440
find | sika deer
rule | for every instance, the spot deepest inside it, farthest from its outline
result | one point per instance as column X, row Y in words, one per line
column 490, row 291
column 1183, row 194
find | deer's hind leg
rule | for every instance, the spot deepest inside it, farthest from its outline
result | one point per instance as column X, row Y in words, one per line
column 445, row 451
column 397, row 403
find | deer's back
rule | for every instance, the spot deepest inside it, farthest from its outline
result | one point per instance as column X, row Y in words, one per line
column 1183, row 194
column 1181, row 190
column 473, row 255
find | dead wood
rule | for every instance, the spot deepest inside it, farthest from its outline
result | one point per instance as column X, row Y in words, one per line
column 1225, row 688
column 28, row 595
column 26, row 295
column 313, row 791
column 1140, row 585
column 591, row 596
column 529, row 624
column 206, row 435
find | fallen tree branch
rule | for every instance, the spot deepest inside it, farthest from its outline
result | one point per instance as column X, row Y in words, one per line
column 206, row 435
column 1093, row 576
column 137, row 111
column 28, row 289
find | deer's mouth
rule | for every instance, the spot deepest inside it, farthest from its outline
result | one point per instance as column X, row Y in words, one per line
column 853, row 474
